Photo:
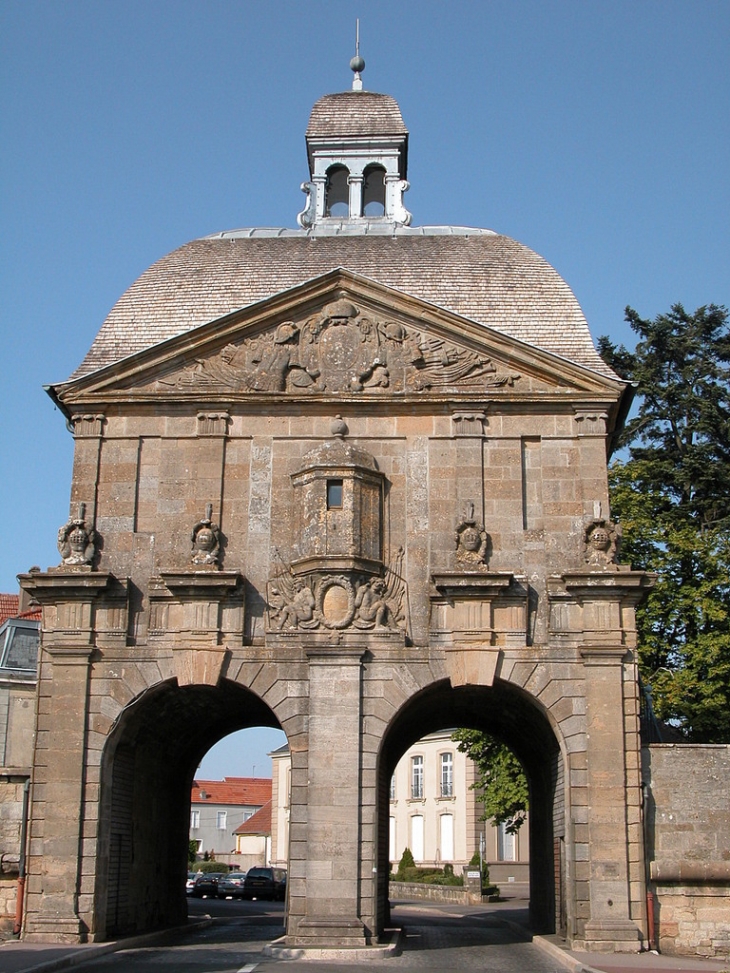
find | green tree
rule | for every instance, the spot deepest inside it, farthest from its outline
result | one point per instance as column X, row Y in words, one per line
column 670, row 492
column 192, row 852
column 500, row 778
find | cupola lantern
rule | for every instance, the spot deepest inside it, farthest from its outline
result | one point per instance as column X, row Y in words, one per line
column 357, row 146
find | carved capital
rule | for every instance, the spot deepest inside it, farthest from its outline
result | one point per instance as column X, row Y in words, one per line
column 88, row 425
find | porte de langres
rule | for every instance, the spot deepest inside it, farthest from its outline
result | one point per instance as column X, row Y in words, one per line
column 350, row 480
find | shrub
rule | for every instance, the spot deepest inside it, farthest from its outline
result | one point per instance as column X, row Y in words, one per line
column 406, row 862
column 212, row 866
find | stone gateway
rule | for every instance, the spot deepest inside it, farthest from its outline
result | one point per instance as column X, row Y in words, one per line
column 349, row 480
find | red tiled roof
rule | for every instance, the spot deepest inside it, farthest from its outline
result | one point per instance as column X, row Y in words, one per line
column 258, row 823
column 34, row 614
column 254, row 791
column 9, row 605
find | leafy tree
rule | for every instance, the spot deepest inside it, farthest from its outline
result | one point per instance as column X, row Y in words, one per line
column 501, row 779
column 192, row 852
column 670, row 491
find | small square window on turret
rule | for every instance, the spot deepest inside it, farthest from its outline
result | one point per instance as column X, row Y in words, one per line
column 334, row 494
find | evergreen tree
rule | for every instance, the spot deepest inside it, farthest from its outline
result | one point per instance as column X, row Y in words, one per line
column 671, row 494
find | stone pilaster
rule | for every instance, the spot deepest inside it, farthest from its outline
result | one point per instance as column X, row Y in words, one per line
column 333, row 830
column 69, row 599
column 607, row 600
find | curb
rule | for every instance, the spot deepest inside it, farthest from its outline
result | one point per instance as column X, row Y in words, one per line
column 86, row 953
column 342, row 953
column 563, row 956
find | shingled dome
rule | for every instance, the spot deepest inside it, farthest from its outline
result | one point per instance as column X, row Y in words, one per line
column 352, row 113
column 360, row 136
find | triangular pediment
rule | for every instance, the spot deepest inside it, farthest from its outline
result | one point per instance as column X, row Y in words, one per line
column 338, row 335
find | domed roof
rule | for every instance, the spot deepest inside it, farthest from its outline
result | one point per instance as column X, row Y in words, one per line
column 350, row 114
column 340, row 453
column 478, row 274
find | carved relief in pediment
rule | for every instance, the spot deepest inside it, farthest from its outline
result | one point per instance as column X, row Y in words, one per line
column 341, row 349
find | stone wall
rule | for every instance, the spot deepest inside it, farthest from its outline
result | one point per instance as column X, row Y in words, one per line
column 434, row 893
column 11, row 809
column 688, row 846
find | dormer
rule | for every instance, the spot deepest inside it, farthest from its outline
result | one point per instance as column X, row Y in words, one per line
column 357, row 147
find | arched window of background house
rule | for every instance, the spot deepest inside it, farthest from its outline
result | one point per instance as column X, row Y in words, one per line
column 337, row 192
column 373, row 191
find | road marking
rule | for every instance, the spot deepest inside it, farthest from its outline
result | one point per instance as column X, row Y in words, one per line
column 248, row 968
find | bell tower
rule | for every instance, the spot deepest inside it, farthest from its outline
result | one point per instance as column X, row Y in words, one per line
column 357, row 147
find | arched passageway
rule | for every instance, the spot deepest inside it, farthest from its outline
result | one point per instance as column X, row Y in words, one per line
column 147, row 771
column 514, row 717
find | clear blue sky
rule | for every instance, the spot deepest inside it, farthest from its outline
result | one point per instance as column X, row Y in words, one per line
column 596, row 133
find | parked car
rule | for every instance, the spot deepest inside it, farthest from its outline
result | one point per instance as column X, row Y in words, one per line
column 206, row 884
column 265, row 883
column 231, row 885
column 190, row 882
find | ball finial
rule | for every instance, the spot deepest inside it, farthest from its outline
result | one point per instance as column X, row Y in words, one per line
column 357, row 64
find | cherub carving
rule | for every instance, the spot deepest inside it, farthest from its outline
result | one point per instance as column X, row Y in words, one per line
column 291, row 602
column 76, row 541
column 206, row 540
column 602, row 541
column 471, row 541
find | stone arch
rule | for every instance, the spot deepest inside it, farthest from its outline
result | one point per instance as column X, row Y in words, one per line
column 147, row 769
column 518, row 719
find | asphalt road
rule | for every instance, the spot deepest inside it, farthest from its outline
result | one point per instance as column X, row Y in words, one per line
column 447, row 939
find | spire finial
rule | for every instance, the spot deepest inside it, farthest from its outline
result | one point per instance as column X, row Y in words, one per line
column 357, row 64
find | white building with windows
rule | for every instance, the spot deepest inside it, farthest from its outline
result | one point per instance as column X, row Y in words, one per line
column 433, row 810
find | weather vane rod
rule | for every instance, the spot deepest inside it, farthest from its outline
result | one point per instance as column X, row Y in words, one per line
column 357, row 64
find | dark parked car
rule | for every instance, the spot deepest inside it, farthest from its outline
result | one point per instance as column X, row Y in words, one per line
column 231, row 885
column 206, row 884
column 265, row 883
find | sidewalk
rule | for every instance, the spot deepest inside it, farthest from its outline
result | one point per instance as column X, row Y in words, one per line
column 21, row 957
column 649, row 962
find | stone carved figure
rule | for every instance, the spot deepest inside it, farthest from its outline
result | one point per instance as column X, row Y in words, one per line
column 363, row 603
column 371, row 606
column 471, row 541
column 206, row 540
column 341, row 349
column 299, row 610
column 602, row 543
column 76, row 541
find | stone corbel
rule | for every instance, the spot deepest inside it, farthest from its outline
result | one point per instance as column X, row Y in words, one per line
column 185, row 606
column 73, row 606
column 591, row 422
column 195, row 613
column 606, row 601
column 469, row 423
column 488, row 608
column 88, row 424
column 213, row 423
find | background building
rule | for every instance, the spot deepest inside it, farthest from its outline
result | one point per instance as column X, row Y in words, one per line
column 19, row 638
column 433, row 810
column 218, row 807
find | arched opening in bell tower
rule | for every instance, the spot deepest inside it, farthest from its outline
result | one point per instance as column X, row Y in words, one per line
column 515, row 718
column 373, row 191
column 147, row 771
column 337, row 192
